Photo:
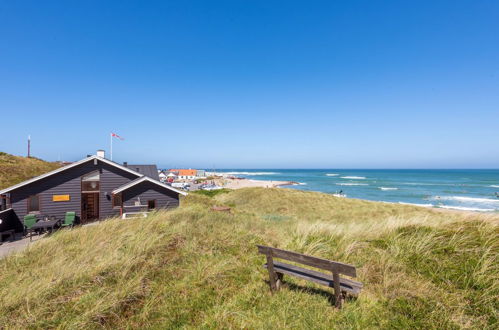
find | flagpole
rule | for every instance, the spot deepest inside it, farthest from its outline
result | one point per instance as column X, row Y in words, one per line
column 111, row 139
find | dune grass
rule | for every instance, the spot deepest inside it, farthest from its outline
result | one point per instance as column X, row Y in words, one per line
column 193, row 267
column 15, row 169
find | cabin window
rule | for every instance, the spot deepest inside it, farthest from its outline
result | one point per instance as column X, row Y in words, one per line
column 151, row 204
column 33, row 203
column 117, row 201
column 90, row 182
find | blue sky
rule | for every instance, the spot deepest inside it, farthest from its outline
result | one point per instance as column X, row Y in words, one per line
column 254, row 84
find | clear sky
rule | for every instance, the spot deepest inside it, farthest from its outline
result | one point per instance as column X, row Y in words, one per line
column 254, row 84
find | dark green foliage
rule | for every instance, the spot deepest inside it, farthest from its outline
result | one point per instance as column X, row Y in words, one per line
column 212, row 193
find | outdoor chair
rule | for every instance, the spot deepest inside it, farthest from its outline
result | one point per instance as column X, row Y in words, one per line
column 69, row 219
column 29, row 221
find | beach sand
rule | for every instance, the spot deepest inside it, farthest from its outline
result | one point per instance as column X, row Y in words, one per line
column 248, row 183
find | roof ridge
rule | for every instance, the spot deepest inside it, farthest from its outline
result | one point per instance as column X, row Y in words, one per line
column 67, row 167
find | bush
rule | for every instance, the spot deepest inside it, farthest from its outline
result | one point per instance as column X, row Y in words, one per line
column 212, row 193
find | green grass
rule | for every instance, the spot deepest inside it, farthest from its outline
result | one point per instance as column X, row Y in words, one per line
column 15, row 169
column 193, row 267
column 211, row 193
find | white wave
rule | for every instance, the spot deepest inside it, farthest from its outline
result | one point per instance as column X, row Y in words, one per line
column 466, row 199
column 432, row 184
column 351, row 184
column 299, row 184
column 494, row 185
column 340, row 195
column 354, row 177
column 415, row 204
column 388, row 188
column 332, row 174
column 249, row 173
column 462, row 208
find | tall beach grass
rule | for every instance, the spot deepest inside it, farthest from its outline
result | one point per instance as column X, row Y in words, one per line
column 193, row 267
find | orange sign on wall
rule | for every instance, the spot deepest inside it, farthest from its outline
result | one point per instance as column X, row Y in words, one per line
column 60, row 198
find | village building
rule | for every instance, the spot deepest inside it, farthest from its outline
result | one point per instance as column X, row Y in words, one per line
column 162, row 176
column 93, row 188
column 184, row 174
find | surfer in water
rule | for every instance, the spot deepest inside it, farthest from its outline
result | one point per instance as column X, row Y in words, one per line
column 497, row 194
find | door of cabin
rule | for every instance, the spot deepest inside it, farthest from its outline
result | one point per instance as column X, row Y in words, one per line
column 89, row 207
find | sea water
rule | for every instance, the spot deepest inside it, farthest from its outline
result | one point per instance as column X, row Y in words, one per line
column 468, row 190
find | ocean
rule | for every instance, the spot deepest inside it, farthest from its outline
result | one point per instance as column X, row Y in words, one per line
column 468, row 190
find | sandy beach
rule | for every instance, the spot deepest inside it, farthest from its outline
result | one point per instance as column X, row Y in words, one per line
column 231, row 183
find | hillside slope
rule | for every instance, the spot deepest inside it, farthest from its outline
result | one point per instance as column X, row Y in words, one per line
column 193, row 267
column 15, row 169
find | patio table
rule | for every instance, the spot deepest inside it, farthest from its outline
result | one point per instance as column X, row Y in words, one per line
column 43, row 225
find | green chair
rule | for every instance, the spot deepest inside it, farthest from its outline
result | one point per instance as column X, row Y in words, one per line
column 29, row 221
column 69, row 219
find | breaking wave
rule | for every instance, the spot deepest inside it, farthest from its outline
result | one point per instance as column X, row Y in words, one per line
column 494, row 185
column 354, row 177
column 463, row 208
column 415, row 204
column 388, row 188
column 332, row 174
column 249, row 173
column 351, row 184
column 466, row 199
column 432, row 184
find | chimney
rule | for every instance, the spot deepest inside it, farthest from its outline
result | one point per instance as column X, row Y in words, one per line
column 101, row 153
column 125, row 164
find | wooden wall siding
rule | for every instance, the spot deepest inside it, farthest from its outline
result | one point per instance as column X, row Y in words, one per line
column 10, row 221
column 69, row 183
column 111, row 178
column 165, row 198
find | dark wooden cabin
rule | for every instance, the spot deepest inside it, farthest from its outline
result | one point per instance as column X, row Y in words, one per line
column 94, row 188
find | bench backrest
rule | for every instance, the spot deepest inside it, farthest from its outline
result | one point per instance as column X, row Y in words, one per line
column 336, row 267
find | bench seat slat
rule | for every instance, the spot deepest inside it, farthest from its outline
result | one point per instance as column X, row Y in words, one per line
column 347, row 285
column 308, row 260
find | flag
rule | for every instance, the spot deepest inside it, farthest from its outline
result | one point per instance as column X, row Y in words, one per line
column 117, row 136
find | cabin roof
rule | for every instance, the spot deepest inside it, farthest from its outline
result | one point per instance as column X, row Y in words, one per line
column 143, row 179
column 147, row 170
column 67, row 167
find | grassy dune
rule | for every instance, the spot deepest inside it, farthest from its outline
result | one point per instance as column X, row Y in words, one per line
column 193, row 267
column 15, row 169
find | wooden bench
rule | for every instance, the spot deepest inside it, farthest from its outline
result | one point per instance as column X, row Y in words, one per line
column 341, row 285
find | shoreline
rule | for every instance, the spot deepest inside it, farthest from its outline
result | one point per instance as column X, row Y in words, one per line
column 241, row 182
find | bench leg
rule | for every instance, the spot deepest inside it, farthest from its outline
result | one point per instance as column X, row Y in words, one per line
column 272, row 274
column 337, row 291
